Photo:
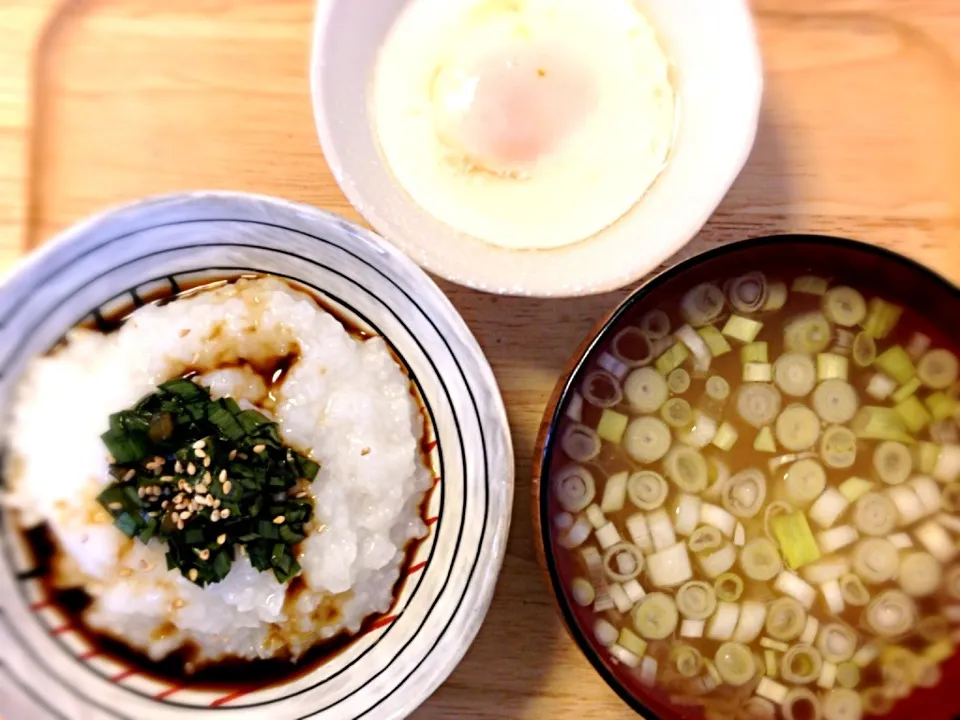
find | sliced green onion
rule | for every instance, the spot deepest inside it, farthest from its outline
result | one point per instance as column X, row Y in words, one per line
column 827, row 569
column 828, row 507
column 881, row 318
column 673, row 358
column 656, row 616
column 595, row 516
column 612, row 426
column 701, row 433
column 734, row 662
column 607, row 535
column 647, row 439
column 717, row 388
column 880, row 387
column 828, row 676
column 655, row 324
column 842, row 703
column 702, row 304
column 836, row 538
column 757, row 372
column 687, row 660
column 936, row 540
column 835, row 401
column 758, row 404
column 809, row 284
column 728, row 587
column 844, row 306
column 717, row 562
column 723, row 622
column 805, row 481
column 726, row 436
column 632, row 347
column 645, row 390
column 744, row 493
column 792, row 585
column 836, row 642
column 915, row 415
column 742, row 329
column 890, row 614
column 755, row 352
column 646, row 489
column 639, row 532
column 582, row 592
column 760, row 560
column 716, row 342
column 875, row 560
column 801, row 665
column 938, row 369
column 772, row 691
column 786, row 619
column 848, row 675
column 629, row 641
column 776, row 296
column 880, row 423
column 909, row 509
column 677, row 413
column 705, row 539
column 838, row 447
column 795, row 374
column 895, row 362
column 670, row 566
column 864, row 350
column 574, row 488
column 752, row 618
column 580, row 443
column 831, row 367
column 947, row 467
column 797, row 427
column 775, row 645
column 614, row 493
column 770, row 665
column 764, row 441
column 748, row 293
column 854, row 488
column 718, row 518
column 686, row 514
column 809, row 334
column 686, row 468
column 906, row 390
column 941, row 405
column 892, row 462
column 853, row 590
column 678, row 381
column 920, row 574
column 696, row 600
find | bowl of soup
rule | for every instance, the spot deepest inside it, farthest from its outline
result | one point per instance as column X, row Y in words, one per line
column 747, row 487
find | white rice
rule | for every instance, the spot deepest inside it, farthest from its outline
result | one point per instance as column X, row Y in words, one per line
column 344, row 402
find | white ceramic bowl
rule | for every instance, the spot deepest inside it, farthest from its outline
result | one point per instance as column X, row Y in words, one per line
column 719, row 82
column 47, row 670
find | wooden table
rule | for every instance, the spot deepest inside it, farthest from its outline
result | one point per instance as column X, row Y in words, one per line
column 102, row 101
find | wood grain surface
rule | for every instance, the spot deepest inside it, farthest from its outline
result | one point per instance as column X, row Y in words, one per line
column 102, row 101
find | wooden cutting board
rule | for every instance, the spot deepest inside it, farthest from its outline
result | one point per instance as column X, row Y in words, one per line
column 103, row 101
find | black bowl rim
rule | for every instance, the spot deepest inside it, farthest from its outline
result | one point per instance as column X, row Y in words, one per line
column 586, row 647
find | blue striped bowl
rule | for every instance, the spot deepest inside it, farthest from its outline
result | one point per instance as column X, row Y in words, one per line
column 47, row 668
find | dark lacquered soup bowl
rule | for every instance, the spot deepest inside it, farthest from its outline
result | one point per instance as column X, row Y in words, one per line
column 930, row 307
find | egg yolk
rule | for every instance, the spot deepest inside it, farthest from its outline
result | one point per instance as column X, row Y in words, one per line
column 506, row 110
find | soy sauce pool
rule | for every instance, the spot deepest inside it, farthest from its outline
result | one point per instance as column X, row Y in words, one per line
column 923, row 305
column 181, row 668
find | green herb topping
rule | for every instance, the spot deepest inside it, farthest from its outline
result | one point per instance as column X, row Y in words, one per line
column 205, row 477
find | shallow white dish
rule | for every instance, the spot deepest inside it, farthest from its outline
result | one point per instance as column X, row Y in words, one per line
column 46, row 668
column 718, row 78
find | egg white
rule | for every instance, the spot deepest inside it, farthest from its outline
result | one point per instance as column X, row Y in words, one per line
column 599, row 166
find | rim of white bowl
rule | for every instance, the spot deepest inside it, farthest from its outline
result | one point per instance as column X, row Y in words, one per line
column 617, row 277
column 502, row 473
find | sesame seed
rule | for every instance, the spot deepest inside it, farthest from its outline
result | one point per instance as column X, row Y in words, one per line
column 158, row 459
column 199, row 453
column 223, row 476
column 259, row 448
column 164, row 504
column 207, row 477
column 185, row 515
column 115, row 506
column 179, row 524
column 215, row 515
column 178, row 603
column 201, row 489
column 365, row 451
column 232, row 455
column 126, row 572
column 178, row 498
column 222, row 539
column 191, row 469
column 166, row 478
column 302, row 494
column 206, row 461
column 175, row 516
column 199, row 445
column 216, row 502
column 129, row 475
column 204, row 554
column 279, row 520
column 225, row 513
column 141, row 492
column 227, row 487
column 193, row 574
column 111, row 459
column 178, row 467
